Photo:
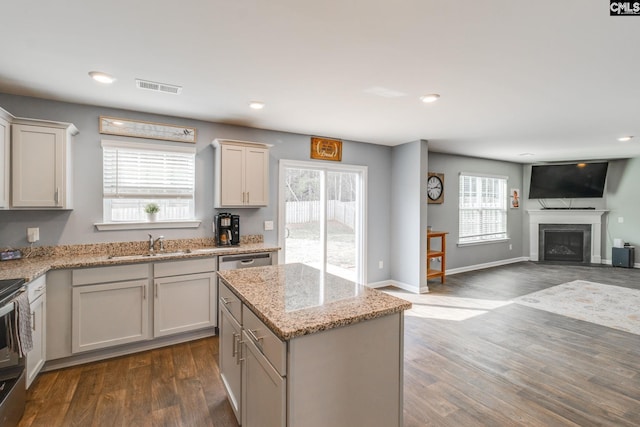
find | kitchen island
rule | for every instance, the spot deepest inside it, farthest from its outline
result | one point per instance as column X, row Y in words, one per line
column 303, row 348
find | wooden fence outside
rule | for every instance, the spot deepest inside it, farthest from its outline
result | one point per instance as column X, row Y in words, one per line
column 301, row 212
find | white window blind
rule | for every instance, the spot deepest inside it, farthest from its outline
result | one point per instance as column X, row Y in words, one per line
column 135, row 174
column 482, row 208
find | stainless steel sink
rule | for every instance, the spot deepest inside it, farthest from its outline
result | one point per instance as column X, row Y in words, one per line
column 148, row 255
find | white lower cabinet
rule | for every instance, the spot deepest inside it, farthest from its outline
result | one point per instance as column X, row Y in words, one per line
column 230, row 364
column 109, row 314
column 184, row 303
column 252, row 365
column 115, row 305
column 38, row 305
column 264, row 391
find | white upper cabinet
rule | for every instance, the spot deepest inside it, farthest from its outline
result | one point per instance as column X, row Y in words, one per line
column 5, row 157
column 242, row 172
column 41, row 164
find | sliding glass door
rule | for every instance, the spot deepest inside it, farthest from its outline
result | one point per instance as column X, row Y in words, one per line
column 322, row 217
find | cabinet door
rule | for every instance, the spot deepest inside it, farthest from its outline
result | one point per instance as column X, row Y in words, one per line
column 184, row 303
column 5, row 134
column 232, row 176
column 36, row 357
column 263, row 389
column 230, row 367
column 38, row 166
column 256, row 176
column 109, row 314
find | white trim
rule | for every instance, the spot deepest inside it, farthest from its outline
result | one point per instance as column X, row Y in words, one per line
column 482, row 242
column 408, row 287
column 484, row 175
column 380, row 284
column 485, row 265
column 569, row 216
column 151, row 146
column 112, row 226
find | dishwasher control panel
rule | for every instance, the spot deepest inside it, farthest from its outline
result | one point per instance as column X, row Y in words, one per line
column 233, row 262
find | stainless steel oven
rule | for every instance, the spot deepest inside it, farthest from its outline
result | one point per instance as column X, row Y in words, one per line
column 12, row 370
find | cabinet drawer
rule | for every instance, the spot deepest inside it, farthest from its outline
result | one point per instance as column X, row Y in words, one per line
column 270, row 345
column 230, row 301
column 36, row 288
column 85, row 276
column 188, row 266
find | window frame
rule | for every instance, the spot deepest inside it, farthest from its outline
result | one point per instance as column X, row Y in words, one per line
column 502, row 209
column 179, row 194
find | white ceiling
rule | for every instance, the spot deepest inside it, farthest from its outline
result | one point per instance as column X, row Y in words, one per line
column 556, row 79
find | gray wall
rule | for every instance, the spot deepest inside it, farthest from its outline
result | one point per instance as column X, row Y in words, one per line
column 409, row 214
column 623, row 201
column 76, row 226
column 444, row 216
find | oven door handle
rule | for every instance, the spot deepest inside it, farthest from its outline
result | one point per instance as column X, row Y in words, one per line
column 7, row 308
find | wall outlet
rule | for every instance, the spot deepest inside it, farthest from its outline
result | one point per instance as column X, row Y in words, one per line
column 380, row 264
column 510, row 247
column 620, row 219
column 268, row 225
column 33, row 234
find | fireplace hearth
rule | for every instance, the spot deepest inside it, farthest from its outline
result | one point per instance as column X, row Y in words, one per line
column 567, row 243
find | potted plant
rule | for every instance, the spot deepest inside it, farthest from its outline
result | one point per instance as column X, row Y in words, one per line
column 152, row 210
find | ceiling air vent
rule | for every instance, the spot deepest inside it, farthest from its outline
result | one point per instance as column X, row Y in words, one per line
column 158, row 87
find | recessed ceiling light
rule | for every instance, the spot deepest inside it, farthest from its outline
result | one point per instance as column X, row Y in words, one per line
column 102, row 77
column 525, row 154
column 625, row 138
column 256, row 105
column 432, row 97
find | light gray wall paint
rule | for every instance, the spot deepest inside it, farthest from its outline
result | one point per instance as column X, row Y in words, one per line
column 408, row 213
column 622, row 201
column 444, row 216
column 76, row 226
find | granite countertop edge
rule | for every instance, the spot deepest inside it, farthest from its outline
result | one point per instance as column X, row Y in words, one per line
column 325, row 321
column 32, row 268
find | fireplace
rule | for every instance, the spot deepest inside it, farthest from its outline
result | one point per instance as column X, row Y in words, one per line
column 569, row 243
column 575, row 218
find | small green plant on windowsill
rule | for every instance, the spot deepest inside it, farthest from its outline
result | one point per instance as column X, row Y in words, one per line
column 152, row 210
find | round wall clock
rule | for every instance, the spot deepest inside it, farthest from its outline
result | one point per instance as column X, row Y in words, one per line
column 435, row 188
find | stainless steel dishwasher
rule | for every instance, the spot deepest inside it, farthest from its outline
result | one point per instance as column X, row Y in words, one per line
column 233, row 262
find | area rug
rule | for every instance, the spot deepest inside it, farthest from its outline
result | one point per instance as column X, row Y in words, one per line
column 612, row 306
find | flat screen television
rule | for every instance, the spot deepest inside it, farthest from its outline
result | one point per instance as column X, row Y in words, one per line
column 568, row 181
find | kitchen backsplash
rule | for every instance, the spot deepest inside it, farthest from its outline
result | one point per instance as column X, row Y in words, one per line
column 128, row 248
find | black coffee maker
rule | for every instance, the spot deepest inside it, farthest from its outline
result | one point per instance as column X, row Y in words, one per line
column 227, row 229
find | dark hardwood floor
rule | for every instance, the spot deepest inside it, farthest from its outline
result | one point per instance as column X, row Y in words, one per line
column 471, row 359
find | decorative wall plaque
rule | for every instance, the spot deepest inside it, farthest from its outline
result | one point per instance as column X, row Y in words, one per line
column 151, row 130
column 326, row 149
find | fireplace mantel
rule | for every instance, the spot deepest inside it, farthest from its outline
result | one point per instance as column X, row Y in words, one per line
column 567, row 216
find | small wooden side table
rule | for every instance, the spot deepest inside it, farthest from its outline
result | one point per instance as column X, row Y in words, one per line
column 438, row 253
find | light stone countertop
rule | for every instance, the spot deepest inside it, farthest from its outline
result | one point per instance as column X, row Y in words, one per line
column 295, row 299
column 32, row 268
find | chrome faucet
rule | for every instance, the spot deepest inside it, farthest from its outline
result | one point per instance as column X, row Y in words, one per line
column 160, row 241
column 152, row 244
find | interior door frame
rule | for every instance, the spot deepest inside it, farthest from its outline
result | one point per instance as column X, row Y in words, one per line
column 361, row 222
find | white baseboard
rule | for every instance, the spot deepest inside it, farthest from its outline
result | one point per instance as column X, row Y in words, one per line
column 381, row 284
column 400, row 285
column 485, row 265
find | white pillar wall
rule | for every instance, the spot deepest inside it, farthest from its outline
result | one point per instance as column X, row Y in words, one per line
column 568, row 216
